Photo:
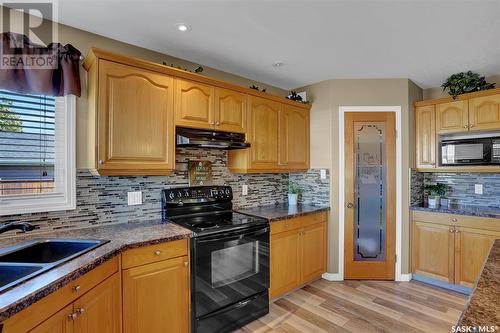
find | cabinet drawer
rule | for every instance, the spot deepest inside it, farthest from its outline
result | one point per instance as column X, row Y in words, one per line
column 285, row 225
column 154, row 253
column 476, row 222
column 51, row 304
column 308, row 220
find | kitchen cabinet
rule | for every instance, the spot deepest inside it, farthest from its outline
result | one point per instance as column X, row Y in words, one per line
column 472, row 247
column 452, row 117
column 131, row 120
column 156, row 293
column 294, row 138
column 194, row 104
column 93, row 300
column 484, row 113
column 230, row 110
column 451, row 248
column 58, row 323
column 298, row 252
column 433, row 251
column 425, row 136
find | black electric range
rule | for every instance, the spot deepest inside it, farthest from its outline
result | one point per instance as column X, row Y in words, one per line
column 229, row 257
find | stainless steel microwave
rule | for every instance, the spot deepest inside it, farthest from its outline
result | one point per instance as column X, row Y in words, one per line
column 474, row 151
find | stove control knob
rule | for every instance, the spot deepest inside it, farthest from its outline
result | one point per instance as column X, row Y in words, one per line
column 227, row 191
column 171, row 195
column 179, row 194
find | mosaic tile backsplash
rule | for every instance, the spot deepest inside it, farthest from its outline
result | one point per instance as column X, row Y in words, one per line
column 460, row 188
column 316, row 191
column 104, row 199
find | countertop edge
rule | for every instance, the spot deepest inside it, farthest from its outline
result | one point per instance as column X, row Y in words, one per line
column 455, row 211
column 286, row 216
column 23, row 303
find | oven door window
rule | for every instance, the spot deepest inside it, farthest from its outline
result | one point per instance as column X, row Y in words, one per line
column 228, row 269
column 234, row 263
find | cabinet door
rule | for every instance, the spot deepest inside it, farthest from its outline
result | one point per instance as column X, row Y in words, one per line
column 60, row 322
column 136, row 121
column 285, row 269
column 472, row 247
column 425, row 136
column 230, row 110
column 156, row 297
column 313, row 248
column 99, row 310
column 194, row 105
column 433, row 251
column 294, row 138
column 452, row 117
column 484, row 113
column 264, row 121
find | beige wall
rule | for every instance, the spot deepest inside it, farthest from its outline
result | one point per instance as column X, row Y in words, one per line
column 438, row 92
column 326, row 98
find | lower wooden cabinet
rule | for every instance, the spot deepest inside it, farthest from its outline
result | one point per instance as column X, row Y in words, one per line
column 156, row 297
column 298, row 252
column 451, row 248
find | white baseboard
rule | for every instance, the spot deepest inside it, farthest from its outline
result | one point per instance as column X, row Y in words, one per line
column 332, row 277
column 405, row 277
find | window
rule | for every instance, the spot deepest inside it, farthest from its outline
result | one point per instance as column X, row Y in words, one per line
column 37, row 153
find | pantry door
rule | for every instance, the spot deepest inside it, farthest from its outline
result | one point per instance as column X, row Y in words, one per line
column 370, row 195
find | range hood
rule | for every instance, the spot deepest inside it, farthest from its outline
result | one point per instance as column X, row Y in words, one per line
column 190, row 137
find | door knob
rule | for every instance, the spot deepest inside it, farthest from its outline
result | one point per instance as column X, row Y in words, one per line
column 350, row 205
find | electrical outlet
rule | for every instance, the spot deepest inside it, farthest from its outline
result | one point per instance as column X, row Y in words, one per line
column 478, row 188
column 322, row 174
column 134, row 198
column 244, row 189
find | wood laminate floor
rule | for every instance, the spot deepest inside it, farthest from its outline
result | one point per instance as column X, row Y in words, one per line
column 363, row 306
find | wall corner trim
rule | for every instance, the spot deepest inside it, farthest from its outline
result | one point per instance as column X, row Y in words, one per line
column 405, row 277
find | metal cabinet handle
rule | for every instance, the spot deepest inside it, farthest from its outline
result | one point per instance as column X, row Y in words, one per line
column 73, row 316
column 286, row 225
column 454, row 219
column 451, row 230
column 350, row 205
column 157, row 252
column 466, row 126
column 185, row 263
column 101, row 162
column 217, row 123
column 80, row 311
column 76, row 288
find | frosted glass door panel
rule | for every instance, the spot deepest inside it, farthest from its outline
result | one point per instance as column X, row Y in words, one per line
column 369, row 191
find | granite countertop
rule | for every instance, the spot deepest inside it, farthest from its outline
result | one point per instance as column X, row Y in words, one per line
column 281, row 212
column 479, row 211
column 483, row 308
column 122, row 236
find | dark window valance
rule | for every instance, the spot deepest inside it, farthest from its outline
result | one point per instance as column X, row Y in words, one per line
column 29, row 68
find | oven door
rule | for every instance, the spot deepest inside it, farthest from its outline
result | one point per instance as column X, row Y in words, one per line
column 466, row 152
column 228, row 268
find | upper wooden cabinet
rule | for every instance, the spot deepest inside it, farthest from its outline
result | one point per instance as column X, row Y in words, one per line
column 425, row 136
column 484, row 113
column 131, row 124
column 294, row 138
column 230, row 110
column 135, row 105
column 194, row 104
column 452, row 117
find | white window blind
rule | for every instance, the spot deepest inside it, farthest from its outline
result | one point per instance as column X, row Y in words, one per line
column 36, row 152
column 27, row 140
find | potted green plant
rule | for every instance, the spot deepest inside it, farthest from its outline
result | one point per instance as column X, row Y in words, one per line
column 436, row 191
column 466, row 82
column 293, row 193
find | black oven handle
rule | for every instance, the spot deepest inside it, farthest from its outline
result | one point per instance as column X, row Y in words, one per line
column 232, row 236
column 231, row 308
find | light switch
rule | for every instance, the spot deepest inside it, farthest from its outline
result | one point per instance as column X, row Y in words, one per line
column 244, row 189
column 322, row 174
column 134, row 198
column 478, row 188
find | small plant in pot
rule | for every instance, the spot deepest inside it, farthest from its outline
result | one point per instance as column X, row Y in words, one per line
column 436, row 192
column 293, row 193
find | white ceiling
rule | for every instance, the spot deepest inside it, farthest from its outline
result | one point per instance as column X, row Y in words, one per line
column 425, row 41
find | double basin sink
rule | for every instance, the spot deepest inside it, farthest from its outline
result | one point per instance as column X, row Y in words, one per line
column 24, row 261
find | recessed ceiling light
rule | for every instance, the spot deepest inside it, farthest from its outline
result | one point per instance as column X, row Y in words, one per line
column 183, row 27
column 278, row 64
